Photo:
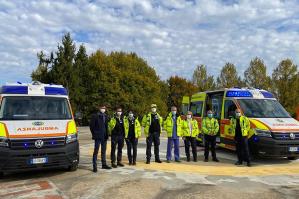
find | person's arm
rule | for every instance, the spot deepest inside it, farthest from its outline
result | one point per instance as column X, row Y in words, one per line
column 216, row 126
column 203, row 127
column 92, row 124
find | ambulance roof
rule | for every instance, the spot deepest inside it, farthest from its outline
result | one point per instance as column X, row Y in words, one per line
column 243, row 93
column 34, row 88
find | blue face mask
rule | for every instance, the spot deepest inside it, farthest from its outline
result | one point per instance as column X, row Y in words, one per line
column 210, row 115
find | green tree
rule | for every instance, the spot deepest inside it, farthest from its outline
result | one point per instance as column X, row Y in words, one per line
column 178, row 87
column 256, row 75
column 229, row 77
column 285, row 84
column 42, row 72
column 201, row 78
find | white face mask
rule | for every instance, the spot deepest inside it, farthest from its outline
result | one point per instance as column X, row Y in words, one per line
column 119, row 113
column 154, row 110
column 189, row 116
column 238, row 114
column 173, row 112
column 131, row 115
column 102, row 110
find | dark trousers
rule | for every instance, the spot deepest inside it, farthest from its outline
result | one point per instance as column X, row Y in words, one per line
column 153, row 137
column 132, row 145
column 242, row 149
column 190, row 141
column 97, row 143
column 117, row 141
column 210, row 141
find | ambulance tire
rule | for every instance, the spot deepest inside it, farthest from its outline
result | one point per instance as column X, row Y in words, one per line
column 292, row 158
column 73, row 167
column 1, row 175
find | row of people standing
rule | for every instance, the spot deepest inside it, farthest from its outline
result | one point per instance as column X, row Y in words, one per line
column 128, row 129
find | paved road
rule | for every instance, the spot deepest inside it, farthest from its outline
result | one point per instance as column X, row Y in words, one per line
column 267, row 178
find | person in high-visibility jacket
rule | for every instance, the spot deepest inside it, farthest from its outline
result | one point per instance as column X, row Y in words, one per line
column 132, row 133
column 152, row 123
column 240, row 125
column 210, row 128
column 173, row 127
column 190, row 132
column 117, row 131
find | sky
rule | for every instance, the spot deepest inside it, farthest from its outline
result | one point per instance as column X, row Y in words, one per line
column 173, row 36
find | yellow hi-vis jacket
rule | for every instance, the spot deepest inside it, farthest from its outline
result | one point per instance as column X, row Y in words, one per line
column 137, row 127
column 147, row 120
column 111, row 125
column 186, row 128
column 210, row 126
column 244, row 123
column 168, row 125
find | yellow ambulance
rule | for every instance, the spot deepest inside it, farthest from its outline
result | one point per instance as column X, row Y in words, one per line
column 274, row 133
column 37, row 128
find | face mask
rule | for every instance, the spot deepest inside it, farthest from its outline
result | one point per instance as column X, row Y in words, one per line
column 131, row 115
column 189, row 116
column 154, row 110
column 210, row 115
column 119, row 113
column 173, row 112
column 102, row 110
column 238, row 114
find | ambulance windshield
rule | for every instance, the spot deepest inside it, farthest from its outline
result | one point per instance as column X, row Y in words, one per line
column 263, row 108
column 34, row 108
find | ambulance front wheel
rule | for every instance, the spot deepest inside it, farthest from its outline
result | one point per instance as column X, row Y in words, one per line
column 73, row 167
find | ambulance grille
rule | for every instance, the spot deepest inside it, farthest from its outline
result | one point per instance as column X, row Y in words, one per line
column 285, row 136
column 17, row 144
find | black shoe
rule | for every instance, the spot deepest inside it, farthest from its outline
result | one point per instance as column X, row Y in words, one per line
column 194, row 160
column 106, row 167
column 120, row 164
column 134, row 163
column 177, row 160
column 130, row 163
column 238, row 163
column 248, row 164
column 147, row 161
column 188, row 159
column 168, row 161
column 95, row 169
column 215, row 160
column 158, row 161
column 206, row 160
column 114, row 165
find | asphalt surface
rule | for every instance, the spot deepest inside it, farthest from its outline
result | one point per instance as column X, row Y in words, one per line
column 267, row 178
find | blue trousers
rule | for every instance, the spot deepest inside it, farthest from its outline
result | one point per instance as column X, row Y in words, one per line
column 170, row 143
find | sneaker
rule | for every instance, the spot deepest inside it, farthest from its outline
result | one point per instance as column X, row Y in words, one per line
column 106, row 167
column 120, row 164
column 238, row 163
column 95, row 169
column 114, row 165
column 215, row 160
column 158, row 161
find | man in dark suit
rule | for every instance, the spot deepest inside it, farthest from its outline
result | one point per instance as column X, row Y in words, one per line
column 99, row 130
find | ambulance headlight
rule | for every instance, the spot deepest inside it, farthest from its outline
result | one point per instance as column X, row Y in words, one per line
column 3, row 142
column 263, row 133
column 71, row 138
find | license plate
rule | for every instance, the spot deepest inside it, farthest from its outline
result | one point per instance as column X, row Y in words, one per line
column 293, row 149
column 39, row 160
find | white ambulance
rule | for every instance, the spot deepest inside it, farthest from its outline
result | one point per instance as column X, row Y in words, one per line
column 37, row 128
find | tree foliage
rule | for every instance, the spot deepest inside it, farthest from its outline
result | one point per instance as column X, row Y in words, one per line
column 178, row 87
column 201, row 78
column 256, row 75
column 229, row 77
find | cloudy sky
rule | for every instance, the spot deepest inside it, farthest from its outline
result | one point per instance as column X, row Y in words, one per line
column 172, row 35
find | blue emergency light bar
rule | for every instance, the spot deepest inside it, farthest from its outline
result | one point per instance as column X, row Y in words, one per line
column 14, row 89
column 267, row 94
column 238, row 94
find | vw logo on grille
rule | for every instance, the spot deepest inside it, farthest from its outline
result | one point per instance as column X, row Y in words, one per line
column 292, row 136
column 37, row 123
column 39, row 144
